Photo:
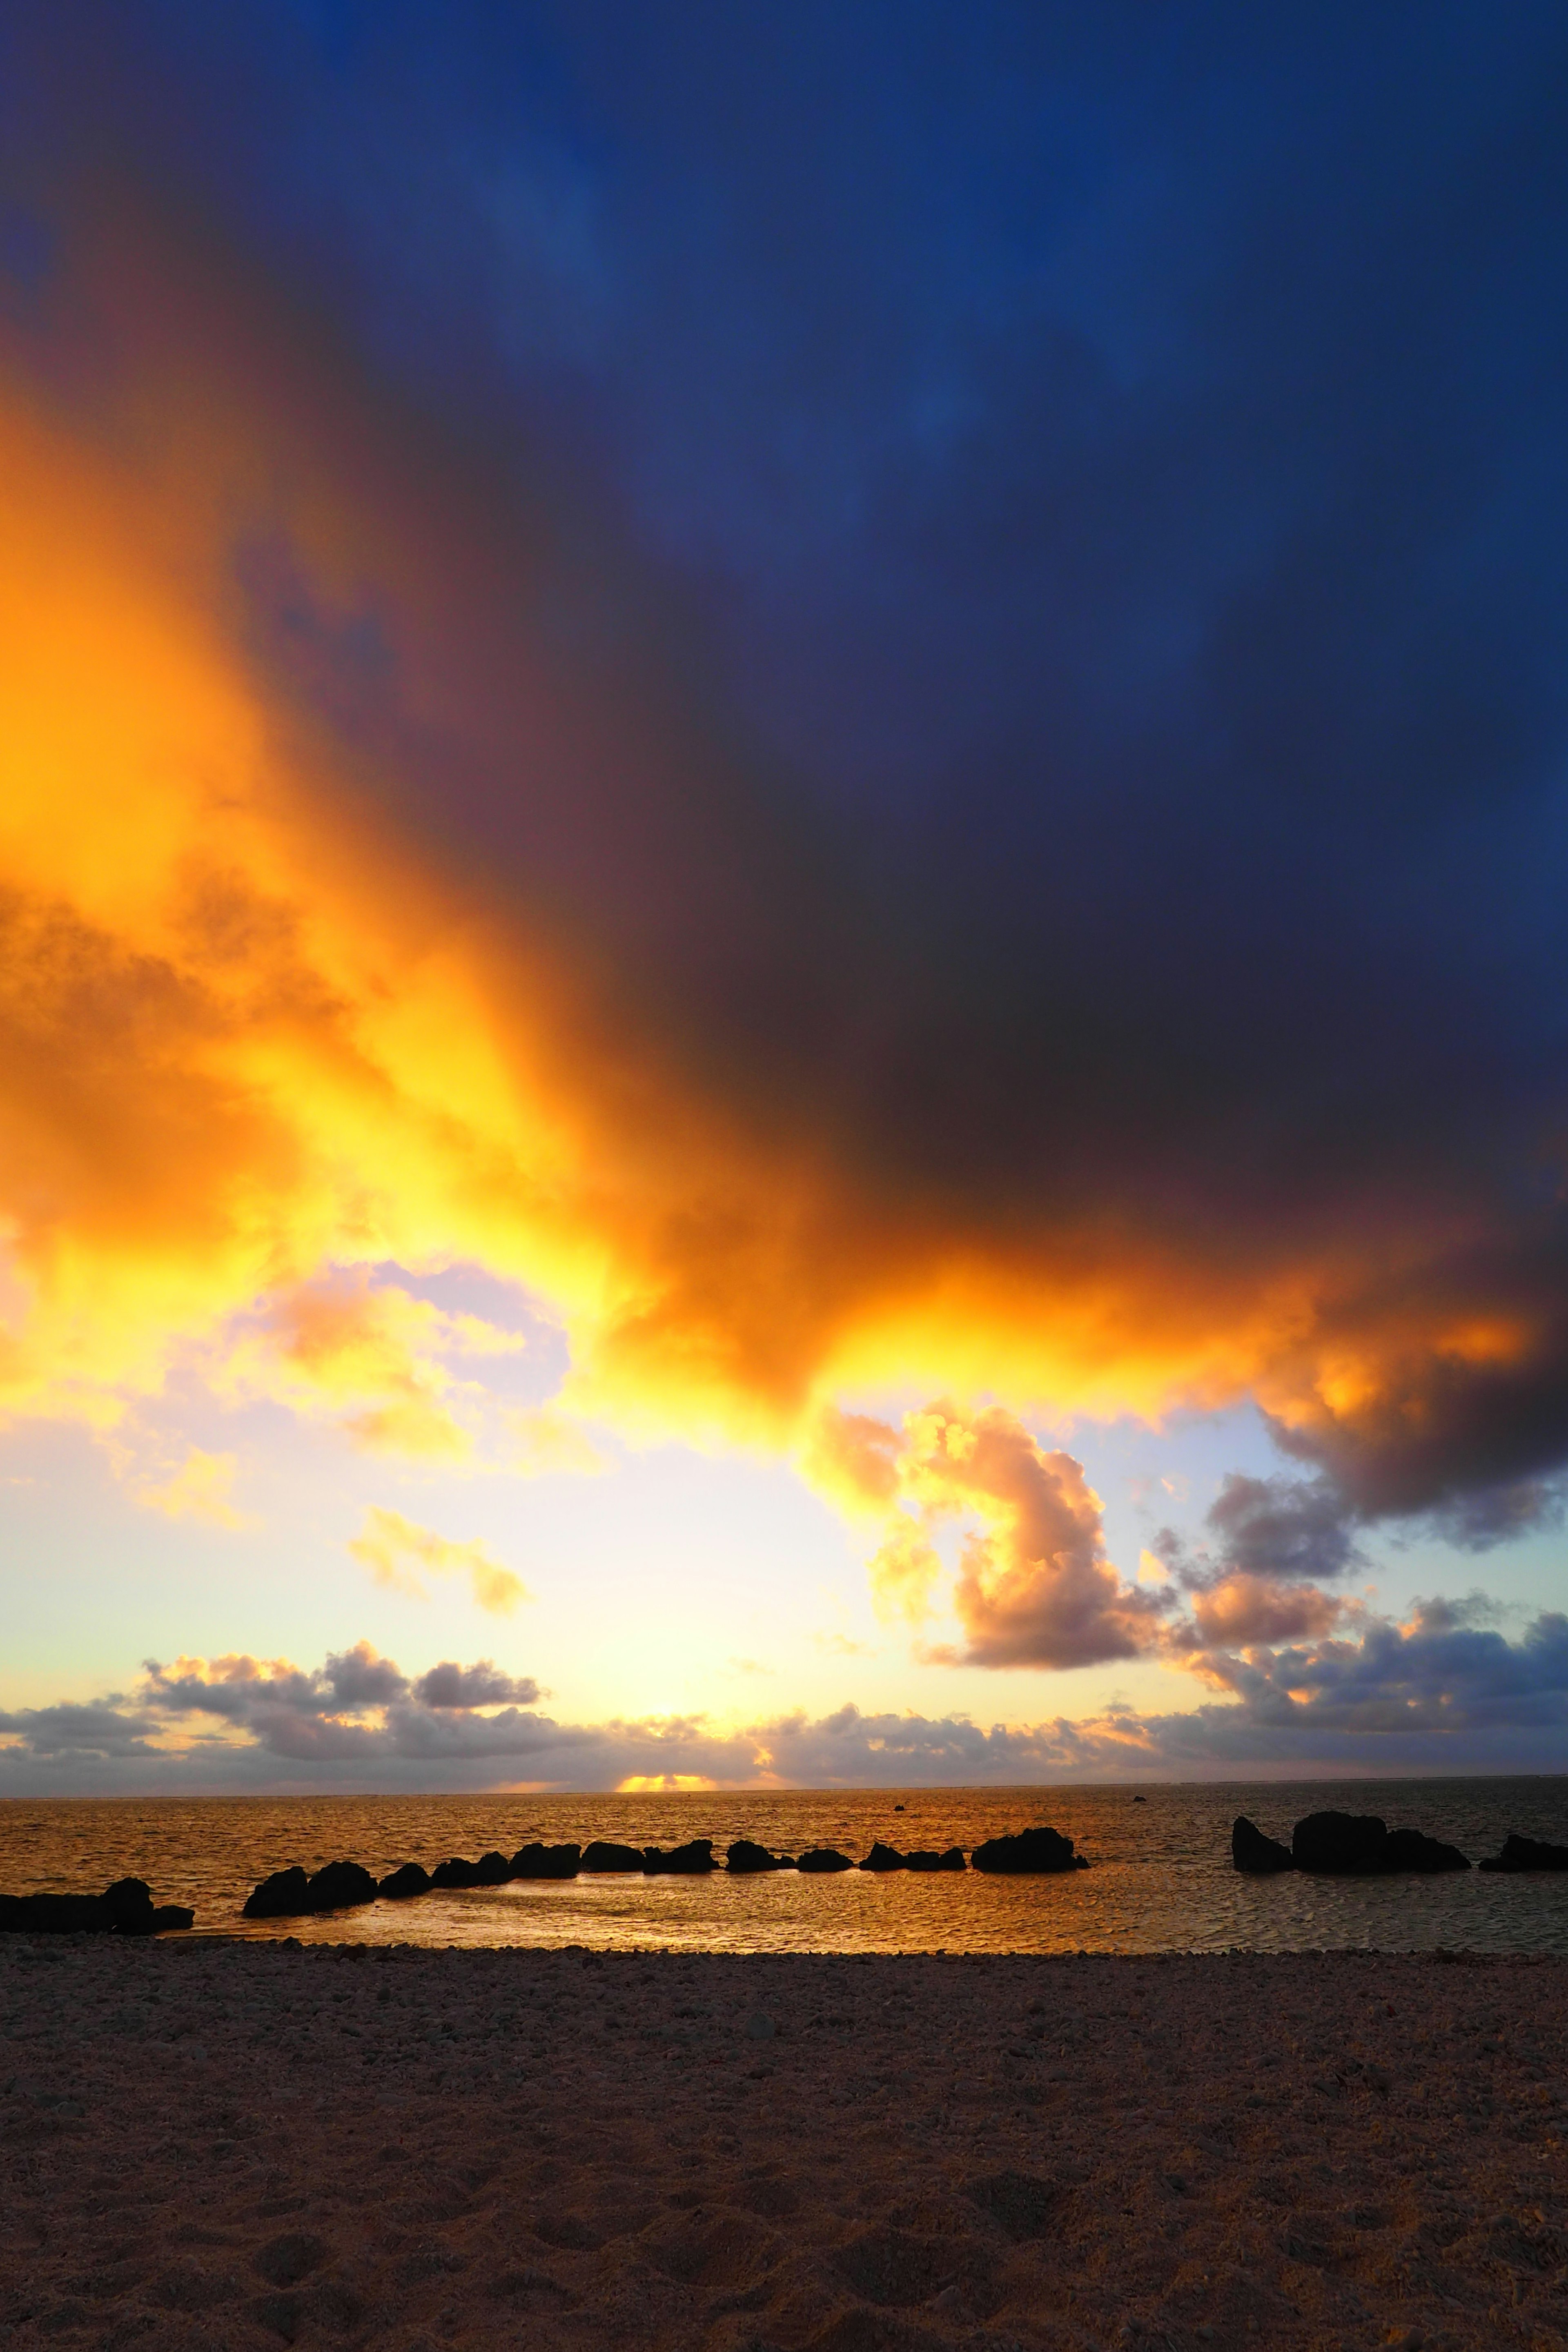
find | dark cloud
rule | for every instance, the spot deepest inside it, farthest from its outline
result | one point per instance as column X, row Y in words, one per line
column 104, row 1729
column 1444, row 1691
column 480, row 1685
column 1026, row 553
column 1282, row 1528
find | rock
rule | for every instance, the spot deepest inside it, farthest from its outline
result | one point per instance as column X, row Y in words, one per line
column 1028, row 1851
column 1361, row 1845
column 56, row 1914
column 1250, row 1851
column 952, row 1860
column 491, row 1869
column 537, row 1861
column 1527, row 1854
column 605, row 1854
column 1410, row 1850
column 412, row 1879
column 687, row 1861
column 824, row 1857
column 883, row 1857
column 744, row 1858
column 456, row 1872
column 760, row 2028
column 130, row 1901
column 1340, row 1844
column 168, row 1916
column 284, row 1895
column 341, row 1886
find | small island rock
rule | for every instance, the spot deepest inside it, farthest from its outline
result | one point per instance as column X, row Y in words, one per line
column 883, row 1857
column 824, row 1858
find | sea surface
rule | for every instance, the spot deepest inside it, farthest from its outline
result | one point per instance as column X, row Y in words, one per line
column 1161, row 1878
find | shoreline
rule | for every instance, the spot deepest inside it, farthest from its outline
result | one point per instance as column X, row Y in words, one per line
column 217, row 2142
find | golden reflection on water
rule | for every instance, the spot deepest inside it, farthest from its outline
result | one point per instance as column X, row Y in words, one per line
column 1161, row 1879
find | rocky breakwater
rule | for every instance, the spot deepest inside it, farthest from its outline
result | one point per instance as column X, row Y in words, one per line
column 126, row 1909
column 745, row 1859
column 1341, row 1845
column 292, row 1894
column 692, row 1860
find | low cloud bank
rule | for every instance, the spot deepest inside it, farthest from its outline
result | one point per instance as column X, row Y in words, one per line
column 1444, row 1691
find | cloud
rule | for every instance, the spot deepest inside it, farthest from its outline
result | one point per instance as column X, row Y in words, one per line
column 400, row 1555
column 1432, row 1694
column 482, row 1685
column 1033, row 1586
column 199, row 1489
column 779, row 866
column 1242, row 1610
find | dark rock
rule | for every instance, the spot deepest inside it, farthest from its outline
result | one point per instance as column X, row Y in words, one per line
column 786, row 1861
column 341, row 1886
column 167, row 1916
column 1250, row 1851
column 1410, row 1850
column 491, row 1869
column 882, row 1857
column 537, row 1861
column 55, row 1914
column 1028, row 1851
column 1527, row 1854
column 130, row 1901
column 952, row 1860
column 824, row 1857
column 1341, row 1844
column 284, row 1895
column 398, row 1886
column 456, row 1872
column 744, row 1858
column 605, row 1854
column 687, row 1861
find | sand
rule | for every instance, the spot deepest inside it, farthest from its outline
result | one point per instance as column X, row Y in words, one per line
column 244, row 2145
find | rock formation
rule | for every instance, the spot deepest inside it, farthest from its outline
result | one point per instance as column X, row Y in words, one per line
column 1359, row 1846
column 456, row 1872
column 824, row 1857
column 291, row 1895
column 1258, row 1855
column 688, row 1860
column 605, row 1854
column 952, row 1860
column 1028, row 1851
column 537, row 1861
column 413, row 1878
column 284, row 1895
column 1527, row 1854
column 883, row 1857
column 743, row 1858
column 126, row 1909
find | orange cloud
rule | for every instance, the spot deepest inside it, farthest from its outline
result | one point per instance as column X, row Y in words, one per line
column 400, row 1555
column 265, row 1019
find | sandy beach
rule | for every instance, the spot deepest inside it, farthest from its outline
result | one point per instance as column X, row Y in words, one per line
column 210, row 2144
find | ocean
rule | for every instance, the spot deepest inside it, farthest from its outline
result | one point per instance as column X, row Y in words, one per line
column 1161, row 1878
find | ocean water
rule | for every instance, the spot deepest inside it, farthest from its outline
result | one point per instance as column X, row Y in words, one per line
column 1161, row 1878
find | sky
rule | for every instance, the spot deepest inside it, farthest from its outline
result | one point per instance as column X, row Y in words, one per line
column 782, row 828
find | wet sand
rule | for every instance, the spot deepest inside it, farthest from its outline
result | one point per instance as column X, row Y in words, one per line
column 217, row 2145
